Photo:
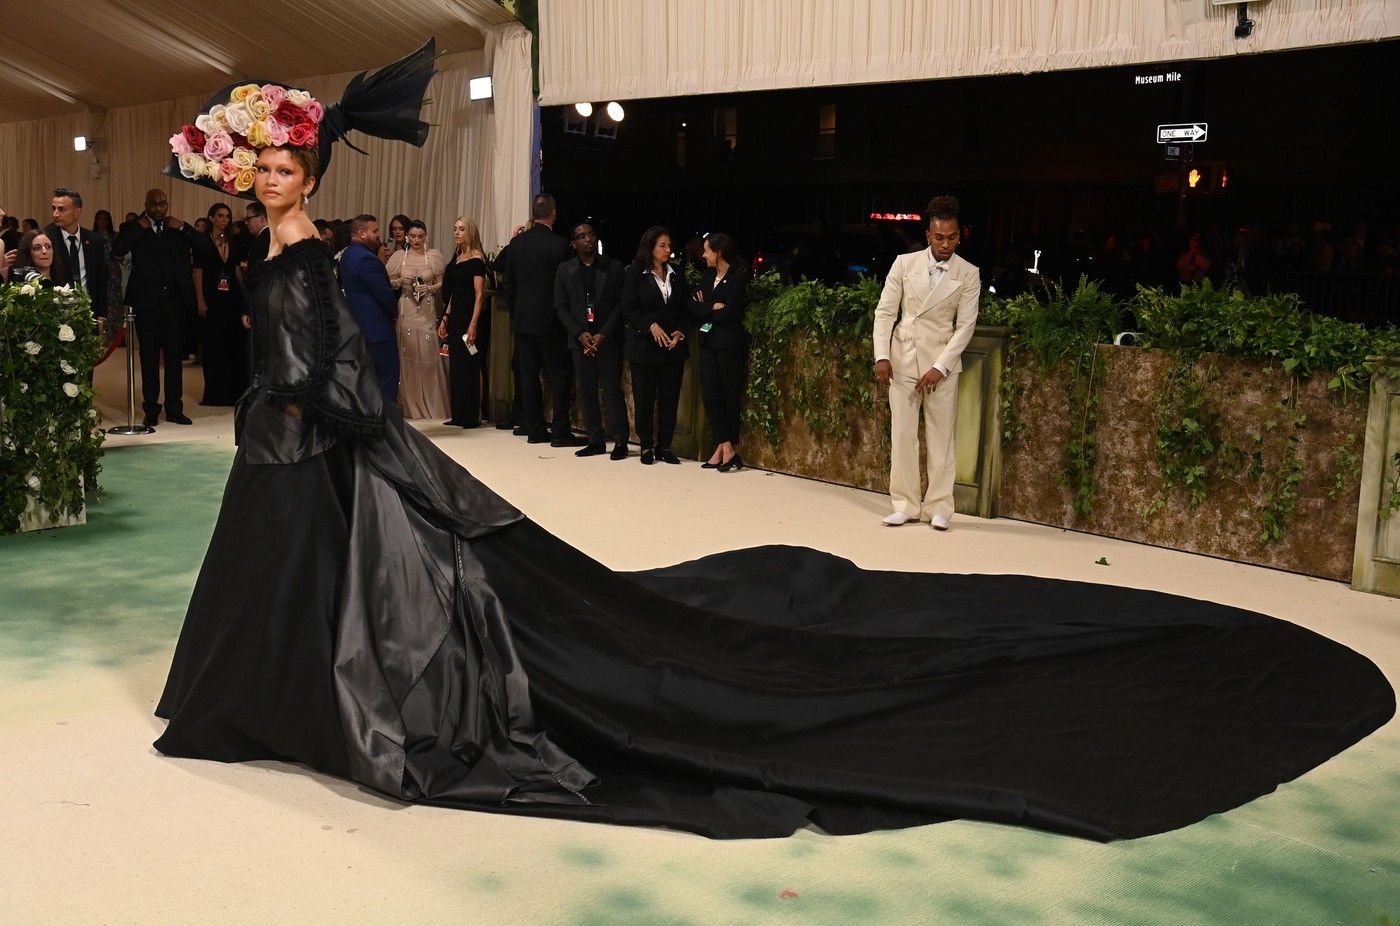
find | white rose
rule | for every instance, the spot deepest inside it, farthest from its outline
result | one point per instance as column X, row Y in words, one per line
column 64, row 288
column 70, row 390
column 65, row 333
column 239, row 118
column 66, row 367
column 33, row 483
column 219, row 117
column 23, row 387
column 298, row 98
column 192, row 165
column 206, row 124
column 211, row 170
column 32, row 349
column 92, row 413
column 29, row 289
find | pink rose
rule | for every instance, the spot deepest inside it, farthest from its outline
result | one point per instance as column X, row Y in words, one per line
column 180, row 145
column 274, row 95
column 228, row 170
column 219, row 146
column 315, row 111
column 276, row 131
column 228, row 187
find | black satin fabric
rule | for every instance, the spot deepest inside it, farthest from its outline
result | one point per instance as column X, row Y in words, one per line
column 368, row 608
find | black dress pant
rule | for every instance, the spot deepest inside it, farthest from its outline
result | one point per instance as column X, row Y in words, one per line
column 544, row 353
column 467, row 383
column 722, row 374
column 656, row 390
column 160, row 331
column 604, row 369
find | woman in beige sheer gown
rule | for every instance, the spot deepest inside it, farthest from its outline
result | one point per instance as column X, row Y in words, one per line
column 417, row 275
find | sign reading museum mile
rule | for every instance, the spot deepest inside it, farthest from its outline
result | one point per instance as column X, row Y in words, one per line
column 1189, row 132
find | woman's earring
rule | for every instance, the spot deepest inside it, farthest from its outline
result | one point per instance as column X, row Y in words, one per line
column 305, row 200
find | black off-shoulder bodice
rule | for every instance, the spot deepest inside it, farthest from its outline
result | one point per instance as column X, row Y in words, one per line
column 308, row 352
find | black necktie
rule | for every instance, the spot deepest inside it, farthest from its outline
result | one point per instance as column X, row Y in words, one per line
column 74, row 266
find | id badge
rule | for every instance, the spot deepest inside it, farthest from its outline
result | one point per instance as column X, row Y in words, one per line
column 590, row 314
column 224, row 284
column 705, row 328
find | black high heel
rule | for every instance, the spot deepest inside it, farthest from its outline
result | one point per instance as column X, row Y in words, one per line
column 734, row 462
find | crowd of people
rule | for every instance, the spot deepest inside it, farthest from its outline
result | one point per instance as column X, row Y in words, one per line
column 577, row 316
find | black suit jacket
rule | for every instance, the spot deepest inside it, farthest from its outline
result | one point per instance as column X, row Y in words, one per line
column 727, row 325
column 571, row 306
column 94, row 255
column 162, row 270
column 528, row 282
column 643, row 304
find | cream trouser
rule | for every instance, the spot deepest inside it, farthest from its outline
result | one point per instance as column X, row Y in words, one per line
column 940, row 410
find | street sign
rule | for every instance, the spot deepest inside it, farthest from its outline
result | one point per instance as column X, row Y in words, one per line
column 1173, row 152
column 1187, row 132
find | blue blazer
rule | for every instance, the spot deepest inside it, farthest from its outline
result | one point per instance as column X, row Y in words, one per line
column 367, row 289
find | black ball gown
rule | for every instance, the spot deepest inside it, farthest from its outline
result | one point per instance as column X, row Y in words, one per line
column 371, row 610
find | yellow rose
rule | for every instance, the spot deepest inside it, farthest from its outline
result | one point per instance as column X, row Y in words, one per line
column 257, row 135
column 259, row 108
column 243, row 180
column 244, row 158
column 242, row 93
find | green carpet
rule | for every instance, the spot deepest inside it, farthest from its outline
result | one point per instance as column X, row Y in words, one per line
column 1325, row 849
column 116, row 588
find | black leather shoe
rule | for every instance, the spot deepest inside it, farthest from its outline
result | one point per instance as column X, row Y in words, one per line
column 709, row 466
column 150, row 419
column 569, row 440
column 519, row 431
column 592, row 450
column 647, row 458
column 734, row 462
column 619, row 452
column 666, row 456
column 504, row 425
column 538, row 439
column 178, row 418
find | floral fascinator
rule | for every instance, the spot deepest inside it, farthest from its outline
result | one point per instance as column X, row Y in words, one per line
column 220, row 147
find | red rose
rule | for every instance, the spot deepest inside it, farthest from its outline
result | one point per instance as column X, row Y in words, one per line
column 228, row 187
column 239, row 141
column 195, row 137
column 289, row 113
column 302, row 134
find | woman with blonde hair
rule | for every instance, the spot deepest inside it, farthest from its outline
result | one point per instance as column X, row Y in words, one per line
column 417, row 274
column 466, row 325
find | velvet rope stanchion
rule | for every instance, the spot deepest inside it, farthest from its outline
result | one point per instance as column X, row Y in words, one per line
column 124, row 336
column 116, row 342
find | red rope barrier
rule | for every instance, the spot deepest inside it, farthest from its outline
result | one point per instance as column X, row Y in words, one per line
column 116, row 342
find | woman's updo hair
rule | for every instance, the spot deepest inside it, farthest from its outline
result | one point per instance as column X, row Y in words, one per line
column 415, row 223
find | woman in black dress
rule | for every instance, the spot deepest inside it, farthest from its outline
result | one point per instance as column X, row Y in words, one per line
column 218, row 289
column 466, row 326
column 724, row 346
column 368, row 608
column 654, row 297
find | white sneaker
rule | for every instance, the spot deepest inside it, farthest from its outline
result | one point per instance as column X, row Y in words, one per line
column 939, row 522
column 895, row 519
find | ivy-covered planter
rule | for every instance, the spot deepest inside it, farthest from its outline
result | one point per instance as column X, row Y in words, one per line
column 1270, row 470
column 49, row 440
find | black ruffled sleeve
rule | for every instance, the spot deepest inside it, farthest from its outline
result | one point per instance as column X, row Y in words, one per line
column 309, row 351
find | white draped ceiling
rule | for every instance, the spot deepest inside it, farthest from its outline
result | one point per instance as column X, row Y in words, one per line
column 476, row 162
column 622, row 49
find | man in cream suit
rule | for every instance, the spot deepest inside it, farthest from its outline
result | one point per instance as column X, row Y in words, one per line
column 926, row 316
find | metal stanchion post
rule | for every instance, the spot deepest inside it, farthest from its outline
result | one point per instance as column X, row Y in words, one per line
column 131, row 427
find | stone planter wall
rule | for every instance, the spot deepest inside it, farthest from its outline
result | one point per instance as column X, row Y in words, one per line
column 1321, row 532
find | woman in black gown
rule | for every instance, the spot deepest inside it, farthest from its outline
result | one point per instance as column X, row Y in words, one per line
column 218, row 289
column 466, row 321
column 412, row 631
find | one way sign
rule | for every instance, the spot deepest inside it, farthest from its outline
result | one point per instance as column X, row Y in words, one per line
column 1187, row 132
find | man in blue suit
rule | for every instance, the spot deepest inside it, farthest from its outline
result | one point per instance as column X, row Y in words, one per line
column 372, row 299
